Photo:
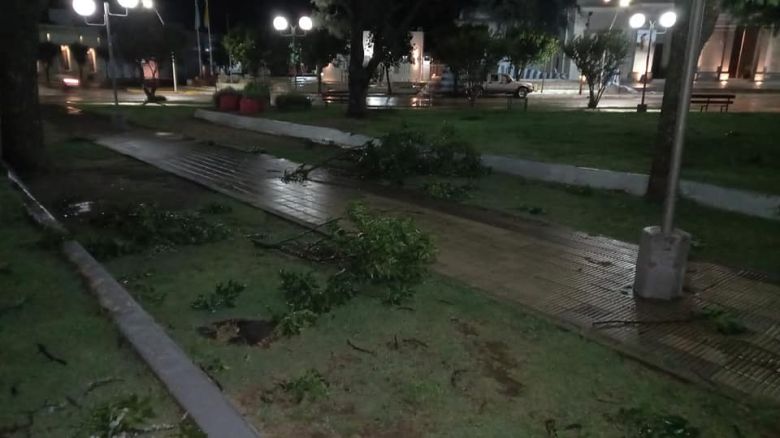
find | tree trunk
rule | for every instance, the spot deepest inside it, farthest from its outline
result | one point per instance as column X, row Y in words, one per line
column 389, row 84
column 358, row 78
column 319, row 79
column 48, row 73
column 455, row 77
column 662, row 152
column 21, row 134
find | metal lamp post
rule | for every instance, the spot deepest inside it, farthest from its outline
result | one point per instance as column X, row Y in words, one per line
column 87, row 8
column 663, row 251
column 637, row 21
column 304, row 24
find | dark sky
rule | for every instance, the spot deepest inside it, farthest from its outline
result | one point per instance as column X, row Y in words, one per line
column 256, row 13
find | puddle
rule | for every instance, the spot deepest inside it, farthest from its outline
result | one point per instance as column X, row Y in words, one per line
column 239, row 331
column 76, row 209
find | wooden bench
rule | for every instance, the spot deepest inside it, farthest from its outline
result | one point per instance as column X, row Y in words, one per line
column 705, row 100
column 329, row 97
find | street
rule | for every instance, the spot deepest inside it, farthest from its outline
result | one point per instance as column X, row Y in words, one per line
column 745, row 101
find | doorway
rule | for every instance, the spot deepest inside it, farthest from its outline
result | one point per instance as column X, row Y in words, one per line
column 743, row 53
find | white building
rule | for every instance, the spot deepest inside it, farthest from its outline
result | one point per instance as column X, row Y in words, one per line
column 733, row 52
column 414, row 68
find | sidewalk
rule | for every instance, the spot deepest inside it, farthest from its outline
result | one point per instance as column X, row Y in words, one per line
column 578, row 281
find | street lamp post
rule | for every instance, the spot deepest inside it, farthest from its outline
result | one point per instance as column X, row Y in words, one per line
column 637, row 21
column 663, row 251
column 87, row 8
column 304, row 24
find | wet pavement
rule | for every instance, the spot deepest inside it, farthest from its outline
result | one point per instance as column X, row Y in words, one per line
column 549, row 100
column 576, row 280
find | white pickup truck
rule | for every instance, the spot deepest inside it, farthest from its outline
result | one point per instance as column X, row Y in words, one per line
column 498, row 83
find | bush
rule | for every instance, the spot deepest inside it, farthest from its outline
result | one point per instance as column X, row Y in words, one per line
column 223, row 92
column 405, row 153
column 224, row 296
column 257, row 90
column 293, row 101
column 384, row 250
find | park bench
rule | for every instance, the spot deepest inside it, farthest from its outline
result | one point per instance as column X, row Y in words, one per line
column 333, row 96
column 705, row 100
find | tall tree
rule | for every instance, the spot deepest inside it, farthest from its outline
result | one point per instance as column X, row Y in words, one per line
column 241, row 44
column 547, row 15
column 598, row 56
column 470, row 51
column 80, row 53
column 755, row 12
column 47, row 53
column 385, row 20
column 319, row 48
column 526, row 45
column 394, row 52
column 21, row 134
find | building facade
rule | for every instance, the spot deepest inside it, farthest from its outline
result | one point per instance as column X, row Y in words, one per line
column 733, row 52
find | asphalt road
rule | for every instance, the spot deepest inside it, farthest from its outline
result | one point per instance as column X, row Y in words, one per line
column 745, row 102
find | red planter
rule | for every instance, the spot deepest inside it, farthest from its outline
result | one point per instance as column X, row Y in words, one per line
column 229, row 102
column 251, row 106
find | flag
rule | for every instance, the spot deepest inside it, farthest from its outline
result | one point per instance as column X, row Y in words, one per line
column 206, row 16
column 197, row 16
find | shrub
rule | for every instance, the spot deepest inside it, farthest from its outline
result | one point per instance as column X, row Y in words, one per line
column 383, row 250
column 294, row 322
column 223, row 92
column 311, row 384
column 293, row 101
column 146, row 225
column 224, row 296
column 405, row 153
column 447, row 190
column 119, row 417
column 257, row 90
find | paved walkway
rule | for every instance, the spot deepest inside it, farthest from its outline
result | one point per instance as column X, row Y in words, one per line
column 578, row 281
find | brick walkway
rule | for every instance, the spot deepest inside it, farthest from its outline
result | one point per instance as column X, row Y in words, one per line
column 575, row 280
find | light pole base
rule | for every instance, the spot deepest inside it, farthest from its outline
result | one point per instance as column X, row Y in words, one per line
column 641, row 108
column 661, row 265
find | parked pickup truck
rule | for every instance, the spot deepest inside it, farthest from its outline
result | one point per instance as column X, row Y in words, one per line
column 504, row 84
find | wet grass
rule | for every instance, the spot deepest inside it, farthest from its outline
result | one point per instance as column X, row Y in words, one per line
column 737, row 150
column 727, row 238
column 452, row 362
column 60, row 356
column 719, row 236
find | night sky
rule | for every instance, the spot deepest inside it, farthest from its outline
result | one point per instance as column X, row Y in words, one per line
column 255, row 13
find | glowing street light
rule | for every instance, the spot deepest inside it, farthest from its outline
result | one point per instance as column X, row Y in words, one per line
column 128, row 4
column 85, row 8
column 638, row 21
column 305, row 24
column 280, row 23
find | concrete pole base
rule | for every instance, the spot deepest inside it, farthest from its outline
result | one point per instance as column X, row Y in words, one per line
column 661, row 265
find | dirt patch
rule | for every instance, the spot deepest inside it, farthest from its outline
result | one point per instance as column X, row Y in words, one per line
column 240, row 332
column 497, row 364
column 494, row 357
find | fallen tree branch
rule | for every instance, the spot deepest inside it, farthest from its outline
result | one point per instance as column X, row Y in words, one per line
column 301, row 173
column 620, row 323
column 98, row 383
column 362, row 350
column 45, row 352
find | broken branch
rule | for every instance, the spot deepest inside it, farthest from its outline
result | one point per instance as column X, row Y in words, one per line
column 362, row 350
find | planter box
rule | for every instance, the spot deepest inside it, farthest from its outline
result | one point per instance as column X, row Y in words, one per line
column 229, row 102
column 251, row 106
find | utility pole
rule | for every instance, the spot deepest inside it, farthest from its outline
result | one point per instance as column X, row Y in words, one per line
column 663, row 251
column 197, row 34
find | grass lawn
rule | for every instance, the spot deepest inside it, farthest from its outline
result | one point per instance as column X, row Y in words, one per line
column 719, row 236
column 722, row 237
column 453, row 362
column 737, row 150
column 44, row 309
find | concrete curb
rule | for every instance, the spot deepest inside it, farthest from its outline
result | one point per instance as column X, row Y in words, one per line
column 740, row 201
column 185, row 381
